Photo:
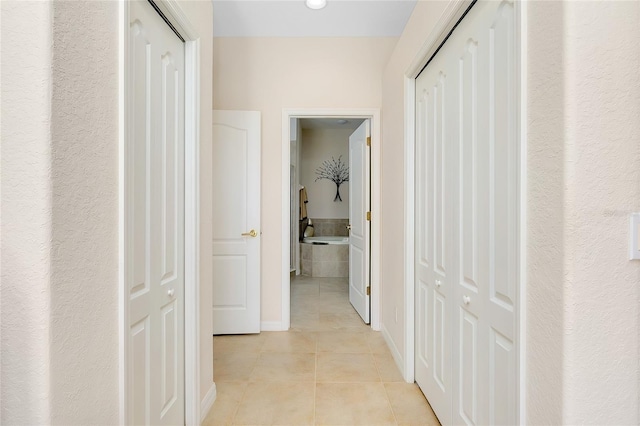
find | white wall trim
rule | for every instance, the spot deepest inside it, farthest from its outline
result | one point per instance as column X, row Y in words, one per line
column 271, row 326
column 408, row 365
column 395, row 353
column 374, row 115
column 172, row 11
column 207, row 403
column 445, row 24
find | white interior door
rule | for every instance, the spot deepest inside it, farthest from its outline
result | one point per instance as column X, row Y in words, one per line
column 467, row 173
column 154, row 239
column 359, row 205
column 236, row 222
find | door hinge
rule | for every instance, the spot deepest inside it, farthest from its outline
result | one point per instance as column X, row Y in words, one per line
column 368, row 140
column 369, row 216
column 368, row 290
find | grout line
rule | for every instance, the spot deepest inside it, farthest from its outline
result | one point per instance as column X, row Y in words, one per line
column 315, row 381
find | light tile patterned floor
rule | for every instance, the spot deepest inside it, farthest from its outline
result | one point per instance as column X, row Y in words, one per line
column 329, row 369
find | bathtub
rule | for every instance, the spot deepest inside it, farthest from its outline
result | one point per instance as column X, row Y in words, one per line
column 325, row 257
column 326, row 240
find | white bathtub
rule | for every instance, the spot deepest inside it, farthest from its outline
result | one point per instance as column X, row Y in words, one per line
column 326, row 240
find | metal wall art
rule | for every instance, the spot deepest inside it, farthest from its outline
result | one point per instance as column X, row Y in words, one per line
column 335, row 171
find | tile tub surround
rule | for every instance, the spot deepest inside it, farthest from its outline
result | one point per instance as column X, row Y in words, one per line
column 330, row 227
column 330, row 260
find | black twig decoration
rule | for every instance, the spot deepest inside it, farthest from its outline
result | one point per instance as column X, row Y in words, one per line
column 335, row 171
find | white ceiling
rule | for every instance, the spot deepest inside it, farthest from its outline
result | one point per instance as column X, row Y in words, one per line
column 292, row 18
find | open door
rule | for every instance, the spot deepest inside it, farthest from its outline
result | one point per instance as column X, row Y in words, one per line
column 236, row 222
column 359, row 211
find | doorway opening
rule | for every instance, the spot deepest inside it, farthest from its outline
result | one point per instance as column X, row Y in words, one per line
column 327, row 195
column 330, row 197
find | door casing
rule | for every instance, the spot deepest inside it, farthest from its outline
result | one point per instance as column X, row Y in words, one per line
column 178, row 18
column 455, row 11
column 373, row 114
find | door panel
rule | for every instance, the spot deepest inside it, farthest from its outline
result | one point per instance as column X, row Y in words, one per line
column 359, row 195
column 466, row 206
column 433, row 222
column 154, row 239
column 236, row 211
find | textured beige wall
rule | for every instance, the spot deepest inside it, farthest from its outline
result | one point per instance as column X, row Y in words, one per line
column 25, row 211
column 268, row 74
column 60, row 210
column 84, row 221
column 545, row 213
column 583, row 182
column 602, row 187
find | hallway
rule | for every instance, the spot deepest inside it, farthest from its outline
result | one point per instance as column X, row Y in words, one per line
column 330, row 368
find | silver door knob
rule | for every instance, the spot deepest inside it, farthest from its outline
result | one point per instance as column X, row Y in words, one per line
column 466, row 300
column 438, row 283
column 171, row 292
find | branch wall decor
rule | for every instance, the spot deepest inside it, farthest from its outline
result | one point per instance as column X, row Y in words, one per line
column 335, row 171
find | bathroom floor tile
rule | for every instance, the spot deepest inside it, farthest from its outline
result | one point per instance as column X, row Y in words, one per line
column 233, row 366
column 289, row 342
column 279, row 366
column 333, row 367
column 343, row 341
column 350, row 321
column 229, row 396
column 329, row 369
column 277, row 403
column 387, row 368
column 377, row 343
column 352, row 404
column 409, row 404
column 238, row 343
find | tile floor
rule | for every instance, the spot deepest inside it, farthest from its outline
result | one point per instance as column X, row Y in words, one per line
column 329, row 369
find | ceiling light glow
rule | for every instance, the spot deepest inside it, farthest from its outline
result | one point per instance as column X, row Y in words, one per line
column 316, row 4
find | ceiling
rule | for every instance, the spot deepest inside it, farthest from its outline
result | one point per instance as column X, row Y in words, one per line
column 330, row 123
column 292, row 18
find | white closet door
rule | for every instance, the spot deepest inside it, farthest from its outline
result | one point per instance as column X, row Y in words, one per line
column 469, row 90
column 155, row 221
column 433, row 242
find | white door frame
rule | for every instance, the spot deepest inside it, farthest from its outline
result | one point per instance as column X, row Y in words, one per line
column 373, row 114
column 174, row 13
column 455, row 10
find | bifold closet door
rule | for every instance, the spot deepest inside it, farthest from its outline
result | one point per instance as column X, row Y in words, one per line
column 155, row 208
column 466, row 221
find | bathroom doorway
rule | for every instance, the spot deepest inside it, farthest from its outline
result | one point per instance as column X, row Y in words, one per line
column 321, row 191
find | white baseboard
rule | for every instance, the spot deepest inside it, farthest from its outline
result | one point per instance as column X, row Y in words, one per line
column 397, row 357
column 271, row 326
column 207, row 402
